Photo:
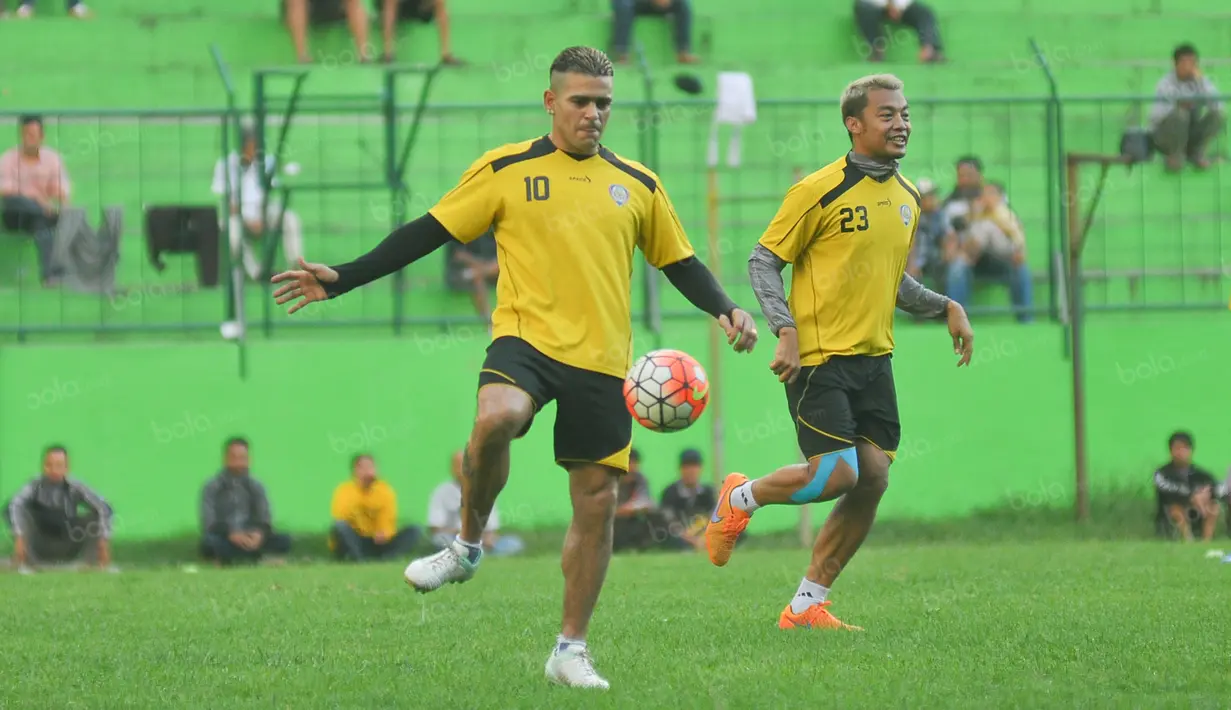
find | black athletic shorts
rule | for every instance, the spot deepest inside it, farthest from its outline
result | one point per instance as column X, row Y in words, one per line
column 592, row 423
column 846, row 398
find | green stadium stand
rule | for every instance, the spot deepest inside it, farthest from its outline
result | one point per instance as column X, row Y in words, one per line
column 1157, row 239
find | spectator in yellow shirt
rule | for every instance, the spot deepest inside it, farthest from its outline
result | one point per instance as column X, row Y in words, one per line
column 365, row 513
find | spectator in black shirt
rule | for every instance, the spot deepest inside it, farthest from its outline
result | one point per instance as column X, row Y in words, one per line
column 474, row 268
column 688, row 503
column 1186, row 494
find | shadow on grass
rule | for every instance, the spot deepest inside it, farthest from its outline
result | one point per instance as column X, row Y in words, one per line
column 1116, row 514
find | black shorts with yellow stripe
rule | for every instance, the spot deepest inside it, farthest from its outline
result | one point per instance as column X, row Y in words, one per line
column 845, row 399
column 592, row 422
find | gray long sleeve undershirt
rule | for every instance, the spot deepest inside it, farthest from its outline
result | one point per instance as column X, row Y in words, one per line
column 765, row 272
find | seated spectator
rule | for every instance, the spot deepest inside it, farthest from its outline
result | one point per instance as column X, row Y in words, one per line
column 247, row 198
column 928, row 262
column 365, row 514
column 235, row 517
column 444, row 517
column 473, row 267
column 424, row 11
column 76, row 9
column 991, row 245
column 56, row 519
column 1186, row 117
column 34, row 187
column 639, row 524
column 870, row 16
column 688, row 503
column 300, row 12
column 1186, row 493
column 627, row 10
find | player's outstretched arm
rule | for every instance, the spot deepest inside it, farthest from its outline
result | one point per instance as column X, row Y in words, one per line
column 917, row 299
column 696, row 282
column 765, row 273
column 405, row 245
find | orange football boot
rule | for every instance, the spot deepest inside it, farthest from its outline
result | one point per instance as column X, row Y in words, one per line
column 726, row 523
column 816, row 616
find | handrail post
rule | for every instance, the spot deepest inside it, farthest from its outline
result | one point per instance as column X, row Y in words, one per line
column 652, row 315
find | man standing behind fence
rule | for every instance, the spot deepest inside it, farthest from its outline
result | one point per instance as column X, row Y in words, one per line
column 57, row 519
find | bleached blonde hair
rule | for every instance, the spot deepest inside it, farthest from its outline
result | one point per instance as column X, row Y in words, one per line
column 855, row 95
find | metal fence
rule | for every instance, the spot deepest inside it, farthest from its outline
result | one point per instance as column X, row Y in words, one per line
column 1156, row 241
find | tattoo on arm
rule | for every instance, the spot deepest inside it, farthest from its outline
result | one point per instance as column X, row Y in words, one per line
column 765, row 272
column 917, row 299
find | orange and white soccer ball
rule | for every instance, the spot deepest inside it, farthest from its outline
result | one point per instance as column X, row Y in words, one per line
column 666, row 390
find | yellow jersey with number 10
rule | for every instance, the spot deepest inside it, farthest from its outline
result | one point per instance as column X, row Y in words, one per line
column 566, row 230
column 847, row 237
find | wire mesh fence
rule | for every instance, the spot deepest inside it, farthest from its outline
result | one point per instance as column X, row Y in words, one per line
column 1156, row 241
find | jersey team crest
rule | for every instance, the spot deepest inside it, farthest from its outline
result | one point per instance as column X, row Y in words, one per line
column 905, row 214
column 619, row 193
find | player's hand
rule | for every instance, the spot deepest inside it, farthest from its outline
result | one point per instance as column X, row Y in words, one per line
column 303, row 283
column 741, row 330
column 963, row 335
column 786, row 356
column 380, row 538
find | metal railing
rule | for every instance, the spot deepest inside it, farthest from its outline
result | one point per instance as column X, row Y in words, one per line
column 1157, row 241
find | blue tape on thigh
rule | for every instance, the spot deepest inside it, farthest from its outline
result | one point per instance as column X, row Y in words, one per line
column 824, row 469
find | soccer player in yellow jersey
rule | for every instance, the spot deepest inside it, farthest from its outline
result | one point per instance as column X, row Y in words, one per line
column 846, row 230
column 569, row 215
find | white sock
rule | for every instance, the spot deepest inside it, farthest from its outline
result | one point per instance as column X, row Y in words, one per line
column 809, row 593
column 475, row 551
column 742, row 498
column 564, row 643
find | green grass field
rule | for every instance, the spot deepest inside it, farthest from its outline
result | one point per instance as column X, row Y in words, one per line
column 1048, row 623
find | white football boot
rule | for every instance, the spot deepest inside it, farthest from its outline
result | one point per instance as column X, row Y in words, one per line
column 574, row 668
column 451, row 565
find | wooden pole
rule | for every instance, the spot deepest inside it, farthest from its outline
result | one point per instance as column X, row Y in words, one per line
column 714, row 367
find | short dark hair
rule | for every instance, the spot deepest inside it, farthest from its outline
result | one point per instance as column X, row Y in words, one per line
column 235, row 441
column 970, row 160
column 359, row 457
column 30, row 118
column 582, row 60
column 1184, row 50
column 1180, row 437
column 54, row 448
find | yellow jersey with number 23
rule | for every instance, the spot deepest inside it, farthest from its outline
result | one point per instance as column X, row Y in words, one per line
column 847, row 236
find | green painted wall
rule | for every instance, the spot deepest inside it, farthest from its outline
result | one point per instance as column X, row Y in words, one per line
column 145, row 422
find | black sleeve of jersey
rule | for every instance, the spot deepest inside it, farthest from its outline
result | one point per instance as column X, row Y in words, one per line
column 405, row 245
column 691, row 278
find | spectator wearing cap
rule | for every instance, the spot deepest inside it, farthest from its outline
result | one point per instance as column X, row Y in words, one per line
column 929, row 261
column 633, row 508
column 687, row 503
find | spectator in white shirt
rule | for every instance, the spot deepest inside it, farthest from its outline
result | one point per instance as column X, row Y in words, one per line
column 247, row 196
column 444, row 517
column 1186, row 117
column 871, row 15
